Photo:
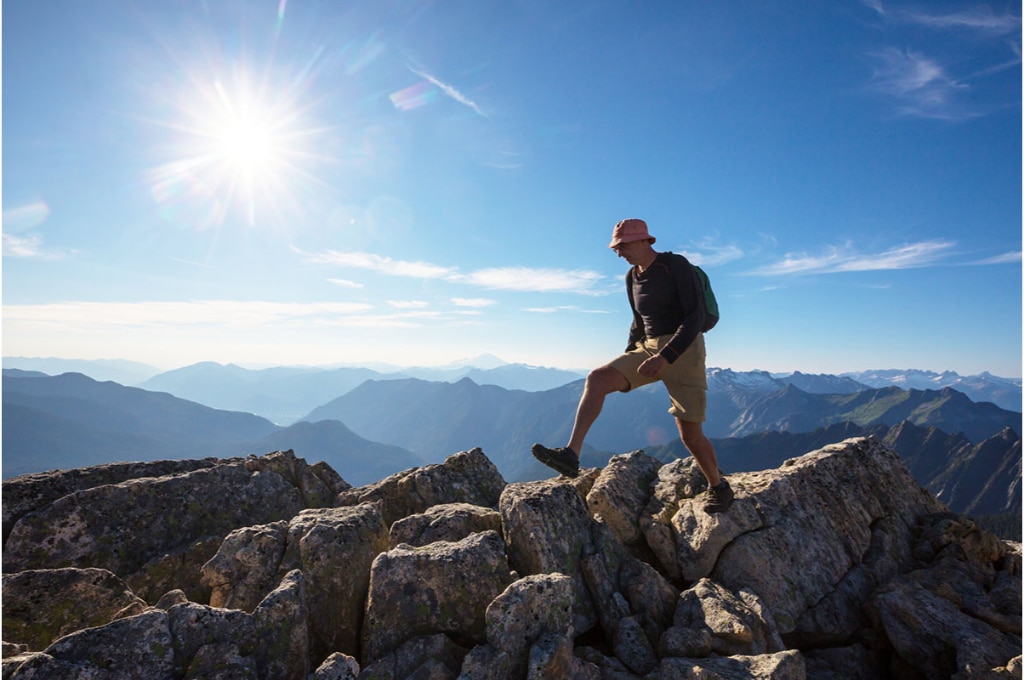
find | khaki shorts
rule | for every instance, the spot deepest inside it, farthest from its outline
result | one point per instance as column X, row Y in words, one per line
column 685, row 379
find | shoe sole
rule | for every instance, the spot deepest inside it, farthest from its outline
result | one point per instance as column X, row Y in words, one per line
column 556, row 464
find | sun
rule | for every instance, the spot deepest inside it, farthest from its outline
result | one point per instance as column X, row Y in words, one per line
column 238, row 149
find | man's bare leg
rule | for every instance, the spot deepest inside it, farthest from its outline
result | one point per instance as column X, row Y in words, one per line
column 600, row 383
column 701, row 449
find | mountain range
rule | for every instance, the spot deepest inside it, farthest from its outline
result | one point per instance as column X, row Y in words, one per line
column 967, row 453
column 285, row 394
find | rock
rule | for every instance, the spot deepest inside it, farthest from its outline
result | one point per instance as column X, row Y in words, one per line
column 551, row 657
column 939, row 618
column 632, row 646
column 738, row 623
column 30, row 493
column 136, row 648
column 120, row 527
column 677, row 480
column 621, row 492
column 548, row 530
column 788, row 665
column 176, row 569
column 447, row 522
column 318, row 485
column 252, row 560
column 337, row 666
column 836, row 495
column 42, row 605
column 530, row 608
column 245, row 567
column 443, row 587
column 427, row 657
column 837, row 555
column 171, row 598
column 465, row 477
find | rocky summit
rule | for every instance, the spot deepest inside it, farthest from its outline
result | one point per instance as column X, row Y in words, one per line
column 835, row 565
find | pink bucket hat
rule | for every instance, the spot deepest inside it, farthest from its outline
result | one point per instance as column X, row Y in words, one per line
column 630, row 230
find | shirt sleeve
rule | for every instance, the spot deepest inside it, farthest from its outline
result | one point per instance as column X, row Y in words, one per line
column 636, row 329
column 692, row 302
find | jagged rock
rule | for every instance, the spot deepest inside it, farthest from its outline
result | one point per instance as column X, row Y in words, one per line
column 548, row 530
column 30, row 493
column 835, row 495
column 939, row 617
column 620, row 493
column 788, row 665
column 528, row 609
column 863, row 574
column 43, row 605
column 632, row 646
column 465, row 477
column 178, row 569
column 136, row 648
column 443, row 587
column 120, row 527
column 171, row 598
column 251, row 560
column 675, row 481
column 244, row 569
column 317, row 484
column 447, row 522
column 428, row 657
column 282, row 629
column 551, row 657
column 738, row 623
column 337, row 666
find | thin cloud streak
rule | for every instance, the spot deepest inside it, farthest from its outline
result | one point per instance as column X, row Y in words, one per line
column 448, row 90
column 23, row 246
column 1012, row 257
column 525, row 279
column 216, row 313
column 845, row 259
column 521, row 279
column 920, row 85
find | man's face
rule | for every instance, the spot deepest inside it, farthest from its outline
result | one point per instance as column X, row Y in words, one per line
column 631, row 251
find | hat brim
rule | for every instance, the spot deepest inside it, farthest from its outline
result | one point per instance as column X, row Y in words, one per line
column 630, row 239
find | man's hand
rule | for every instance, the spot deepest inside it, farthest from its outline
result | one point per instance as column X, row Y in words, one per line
column 651, row 367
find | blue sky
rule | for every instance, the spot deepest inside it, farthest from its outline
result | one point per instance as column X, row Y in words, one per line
column 416, row 182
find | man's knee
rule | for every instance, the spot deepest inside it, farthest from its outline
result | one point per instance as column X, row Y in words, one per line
column 607, row 379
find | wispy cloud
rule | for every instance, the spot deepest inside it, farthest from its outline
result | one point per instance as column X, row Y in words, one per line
column 527, row 279
column 1012, row 257
column 978, row 18
column 448, row 90
column 709, row 255
column 522, row 279
column 345, row 283
column 919, row 84
column 837, row 259
column 564, row 308
column 385, row 265
column 473, row 302
column 155, row 314
column 408, row 304
column 922, row 85
column 25, row 217
column 29, row 245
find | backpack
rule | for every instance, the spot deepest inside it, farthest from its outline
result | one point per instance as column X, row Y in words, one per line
column 711, row 315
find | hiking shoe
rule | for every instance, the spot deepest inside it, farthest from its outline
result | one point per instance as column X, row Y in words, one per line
column 718, row 498
column 563, row 460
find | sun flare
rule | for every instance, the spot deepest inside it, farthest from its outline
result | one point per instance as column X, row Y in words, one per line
column 235, row 148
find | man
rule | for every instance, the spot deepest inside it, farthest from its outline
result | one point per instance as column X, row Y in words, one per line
column 666, row 343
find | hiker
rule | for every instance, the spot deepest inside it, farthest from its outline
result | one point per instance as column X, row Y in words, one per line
column 666, row 343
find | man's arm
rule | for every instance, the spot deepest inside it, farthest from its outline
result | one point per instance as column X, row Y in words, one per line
column 636, row 329
column 691, row 300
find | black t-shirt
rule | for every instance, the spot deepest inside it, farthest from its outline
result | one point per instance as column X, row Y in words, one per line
column 666, row 299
